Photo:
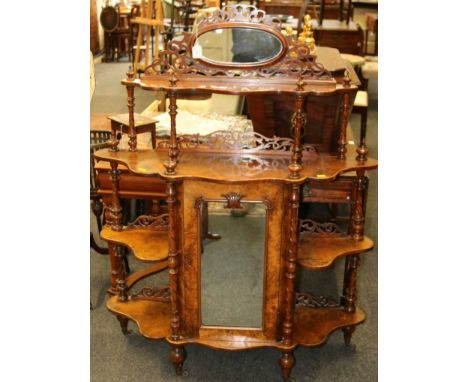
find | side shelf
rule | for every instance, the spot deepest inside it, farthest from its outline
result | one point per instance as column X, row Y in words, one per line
column 147, row 244
column 313, row 325
column 151, row 317
column 319, row 252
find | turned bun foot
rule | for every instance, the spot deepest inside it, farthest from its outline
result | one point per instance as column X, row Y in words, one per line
column 287, row 362
column 178, row 355
column 347, row 334
column 123, row 324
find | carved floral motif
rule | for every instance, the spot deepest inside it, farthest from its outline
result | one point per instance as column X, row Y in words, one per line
column 233, row 200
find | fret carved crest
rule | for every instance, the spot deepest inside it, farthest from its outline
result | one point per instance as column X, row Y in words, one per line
column 154, row 294
column 313, row 227
column 247, row 142
column 310, row 301
column 149, row 221
column 242, row 13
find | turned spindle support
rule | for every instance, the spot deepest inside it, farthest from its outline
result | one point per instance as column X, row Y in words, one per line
column 115, row 209
column 173, row 259
column 116, row 252
column 357, row 208
column 171, row 164
column 362, row 150
column 348, row 300
column 344, row 117
column 132, row 136
column 287, row 359
column 298, row 120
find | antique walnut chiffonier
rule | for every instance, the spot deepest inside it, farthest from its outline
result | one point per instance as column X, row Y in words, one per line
column 227, row 171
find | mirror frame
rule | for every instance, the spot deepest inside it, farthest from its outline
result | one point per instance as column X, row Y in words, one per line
column 233, row 200
column 240, row 65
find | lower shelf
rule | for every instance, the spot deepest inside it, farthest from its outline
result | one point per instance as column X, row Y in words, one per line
column 319, row 252
column 146, row 244
column 313, row 325
column 234, row 339
column 151, row 317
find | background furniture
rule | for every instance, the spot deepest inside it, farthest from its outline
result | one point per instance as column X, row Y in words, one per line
column 371, row 26
column 120, row 124
column 347, row 38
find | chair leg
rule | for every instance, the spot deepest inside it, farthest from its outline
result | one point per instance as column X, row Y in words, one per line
column 363, row 126
column 97, row 248
column 97, row 208
column 153, row 138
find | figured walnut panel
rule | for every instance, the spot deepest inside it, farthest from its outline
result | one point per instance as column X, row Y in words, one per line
column 146, row 244
column 319, row 252
column 151, row 317
column 313, row 325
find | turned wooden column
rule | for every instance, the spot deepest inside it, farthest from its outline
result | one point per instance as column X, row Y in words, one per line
column 287, row 359
column 116, row 251
column 171, row 164
column 178, row 353
column 344, row 117
column 349, row 297
column 298, row 120
column 362, row 149
column 132, row 136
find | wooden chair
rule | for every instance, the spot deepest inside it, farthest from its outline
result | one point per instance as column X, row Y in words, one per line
column 98, row 140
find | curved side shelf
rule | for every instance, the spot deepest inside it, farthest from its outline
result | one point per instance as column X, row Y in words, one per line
column 151, row 317
column 145, row 243
column 313, row 325
column 319, row 252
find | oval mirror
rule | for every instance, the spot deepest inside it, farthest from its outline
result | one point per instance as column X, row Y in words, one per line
column 228, row 46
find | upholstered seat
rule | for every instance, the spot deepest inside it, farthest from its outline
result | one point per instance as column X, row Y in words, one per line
column 362, row 99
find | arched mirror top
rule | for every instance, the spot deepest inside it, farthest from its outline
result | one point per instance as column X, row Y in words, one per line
column 238, row 44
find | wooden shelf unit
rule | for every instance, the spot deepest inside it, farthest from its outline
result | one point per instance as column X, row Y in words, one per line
column 221, row 168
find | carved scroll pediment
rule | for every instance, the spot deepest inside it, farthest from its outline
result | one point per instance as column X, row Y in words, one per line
column 240, row 13
column 296, row 60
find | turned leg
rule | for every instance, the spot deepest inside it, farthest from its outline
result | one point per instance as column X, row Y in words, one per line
column 347, row 334
column 348, row 300
column 287, row 362
column 178, row 356
column 123, row 324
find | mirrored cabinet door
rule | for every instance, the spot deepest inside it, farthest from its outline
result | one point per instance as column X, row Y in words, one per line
column 232, row 265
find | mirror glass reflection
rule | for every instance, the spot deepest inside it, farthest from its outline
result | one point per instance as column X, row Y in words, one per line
column 232, row 266
column 238, row 45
